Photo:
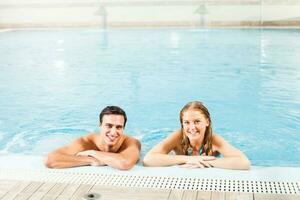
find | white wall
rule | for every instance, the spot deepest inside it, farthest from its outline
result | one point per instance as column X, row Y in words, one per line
column 51, row 13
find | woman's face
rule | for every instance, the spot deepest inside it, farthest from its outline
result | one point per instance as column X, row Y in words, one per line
column 194, row 124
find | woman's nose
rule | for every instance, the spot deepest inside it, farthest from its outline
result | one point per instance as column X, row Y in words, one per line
column 191, row 126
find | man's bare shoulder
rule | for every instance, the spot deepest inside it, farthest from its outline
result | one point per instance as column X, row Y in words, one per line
column 129, row 140
column 89, row 136
column 88, row 140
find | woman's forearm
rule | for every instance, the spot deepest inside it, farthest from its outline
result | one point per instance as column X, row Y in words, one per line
column 239, row 163
column 162, row 160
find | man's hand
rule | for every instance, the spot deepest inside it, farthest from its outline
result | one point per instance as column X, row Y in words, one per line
column 198, row 162
column 92, row 154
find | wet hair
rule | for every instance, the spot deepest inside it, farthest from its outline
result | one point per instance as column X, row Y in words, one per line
column 207, row 141
column 112, row 110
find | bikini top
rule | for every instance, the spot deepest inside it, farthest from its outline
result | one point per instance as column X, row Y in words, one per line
column 190, row 151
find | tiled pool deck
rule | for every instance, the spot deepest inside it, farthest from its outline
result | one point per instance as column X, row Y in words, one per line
column 25, row 177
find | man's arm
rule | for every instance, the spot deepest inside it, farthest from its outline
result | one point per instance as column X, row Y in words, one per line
column 124, row 160
column 66, row 156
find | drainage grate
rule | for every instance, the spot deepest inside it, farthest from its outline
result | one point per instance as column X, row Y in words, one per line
column 223, row 185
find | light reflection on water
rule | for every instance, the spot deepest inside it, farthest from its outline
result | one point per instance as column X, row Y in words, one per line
column 249, row 79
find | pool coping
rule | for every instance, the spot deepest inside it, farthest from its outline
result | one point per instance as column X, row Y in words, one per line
column 265, row 180
column 256, row 173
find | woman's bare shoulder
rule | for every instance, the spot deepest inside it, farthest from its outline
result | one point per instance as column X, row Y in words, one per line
column 176, row 134
column 175, row 138
column 218, row 141
column 217, row 137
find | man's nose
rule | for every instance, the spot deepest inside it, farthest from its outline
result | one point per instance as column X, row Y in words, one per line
column 113, row 130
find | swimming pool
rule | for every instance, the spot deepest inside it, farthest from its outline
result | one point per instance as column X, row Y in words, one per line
column 53, row 83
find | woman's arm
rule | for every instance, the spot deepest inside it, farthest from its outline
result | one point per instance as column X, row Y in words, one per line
column 158, row 156
column 233, row 157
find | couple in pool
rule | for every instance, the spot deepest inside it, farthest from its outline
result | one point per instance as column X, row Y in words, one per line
column 195, row 145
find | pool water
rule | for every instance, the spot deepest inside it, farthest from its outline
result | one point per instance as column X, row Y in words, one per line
column 54, row 83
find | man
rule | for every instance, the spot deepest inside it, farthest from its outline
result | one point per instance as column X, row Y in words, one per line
column 109, row 147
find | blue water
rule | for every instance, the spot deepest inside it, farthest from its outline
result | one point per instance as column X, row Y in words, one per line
column 54, row 83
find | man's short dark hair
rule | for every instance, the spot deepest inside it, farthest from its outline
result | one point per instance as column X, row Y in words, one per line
column 113, row 110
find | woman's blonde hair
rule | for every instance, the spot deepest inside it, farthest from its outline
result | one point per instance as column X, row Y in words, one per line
column 207, row 142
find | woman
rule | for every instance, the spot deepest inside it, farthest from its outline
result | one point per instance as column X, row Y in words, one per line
column 195, row 144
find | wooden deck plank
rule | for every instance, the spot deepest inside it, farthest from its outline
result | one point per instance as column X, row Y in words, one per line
column 146, row 193
column 190, row 195
column 45, row 187
column 238, row 196
column 203, row 195
column 36, row 196
column 23, row 196
column 32, row 187
column 5, row 186
column 63, row 198
column 81, row 191
column 68, row 191
column 218, row 195
column 130, row 193
column 29, row 191
column 2, row 193
column 276, row 197
column 15, row 190
column 176, row 195
column 24, row 190
column 57, row 189
column 42, row 191
column 49, row 197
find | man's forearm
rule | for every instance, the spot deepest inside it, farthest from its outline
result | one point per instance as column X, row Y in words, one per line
column 115, row 160
column 56, row 160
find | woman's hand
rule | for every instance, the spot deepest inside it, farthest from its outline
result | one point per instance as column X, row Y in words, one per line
column 198, row 162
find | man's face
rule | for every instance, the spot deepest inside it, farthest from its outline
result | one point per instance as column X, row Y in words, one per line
column 112, row 128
